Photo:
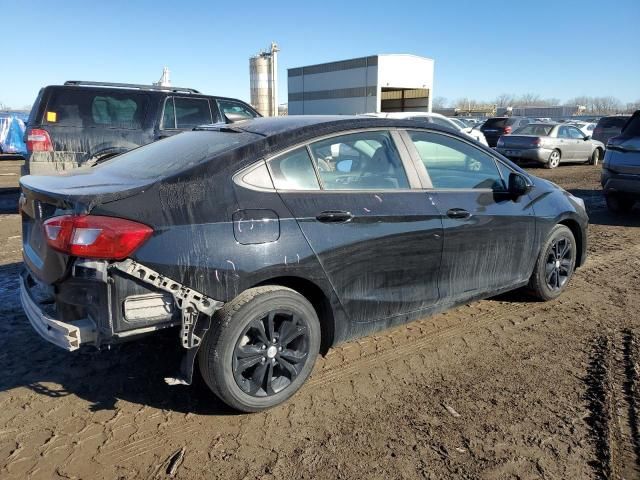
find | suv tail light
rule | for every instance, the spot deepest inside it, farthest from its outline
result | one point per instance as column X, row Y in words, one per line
column 39, row 141
column 95, row 236
column 507, row 130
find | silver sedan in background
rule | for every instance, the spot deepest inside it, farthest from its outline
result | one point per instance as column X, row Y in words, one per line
column 550, row 144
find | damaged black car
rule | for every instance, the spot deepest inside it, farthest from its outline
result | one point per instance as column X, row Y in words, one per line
column 266, row 242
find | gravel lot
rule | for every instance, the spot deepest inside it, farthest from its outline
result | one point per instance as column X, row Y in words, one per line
column 503, row 388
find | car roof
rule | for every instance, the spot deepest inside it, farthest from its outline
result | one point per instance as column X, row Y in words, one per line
column 315, row 125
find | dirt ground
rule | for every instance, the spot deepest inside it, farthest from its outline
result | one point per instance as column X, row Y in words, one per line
column 503, row 388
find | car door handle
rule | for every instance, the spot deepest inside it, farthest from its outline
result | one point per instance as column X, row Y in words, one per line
column 334, row 216
column 458, row 213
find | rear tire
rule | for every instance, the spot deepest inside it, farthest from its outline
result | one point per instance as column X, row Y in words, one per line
column 555, row 264
column 554, row 159
column 261, row 348
column 618, row 204
column 595, row 157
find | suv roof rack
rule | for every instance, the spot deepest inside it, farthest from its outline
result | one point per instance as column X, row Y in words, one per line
column 131, row 85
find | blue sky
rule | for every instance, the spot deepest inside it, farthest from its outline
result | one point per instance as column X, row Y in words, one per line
column 481, row 48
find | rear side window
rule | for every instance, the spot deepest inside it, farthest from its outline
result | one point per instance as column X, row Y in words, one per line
column 78, row 108
column 294, row 171
column 186, row 113
column 359, row 161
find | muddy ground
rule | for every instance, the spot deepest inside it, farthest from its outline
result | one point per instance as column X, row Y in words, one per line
column 503, row 388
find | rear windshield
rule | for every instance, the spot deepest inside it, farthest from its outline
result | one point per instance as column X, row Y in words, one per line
column 612, row 122
column 632, row 128
column 533, row 129
column 174, row 154
column 90, row 108
column 496, row 123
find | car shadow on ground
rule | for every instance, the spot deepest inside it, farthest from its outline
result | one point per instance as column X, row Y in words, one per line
column 133, row 372
column 600, row 215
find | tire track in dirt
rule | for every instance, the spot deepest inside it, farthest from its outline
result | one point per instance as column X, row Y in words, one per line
column 399, row 342
column 466, row 324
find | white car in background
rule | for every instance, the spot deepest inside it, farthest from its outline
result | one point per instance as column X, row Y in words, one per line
column 585, row 127
column 437, row 119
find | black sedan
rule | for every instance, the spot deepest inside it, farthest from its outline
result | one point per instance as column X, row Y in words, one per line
column 267, row 241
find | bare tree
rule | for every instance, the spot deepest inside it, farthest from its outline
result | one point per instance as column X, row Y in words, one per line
column 504, row 100
column 440, row 102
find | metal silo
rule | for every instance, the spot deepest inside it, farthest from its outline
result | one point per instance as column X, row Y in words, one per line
column 263, row 71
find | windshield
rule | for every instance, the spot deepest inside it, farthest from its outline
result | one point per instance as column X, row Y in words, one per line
column 171, row 155
column 533, row 129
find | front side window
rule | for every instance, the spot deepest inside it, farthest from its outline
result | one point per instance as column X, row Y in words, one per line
column 575, row 133
column 238, row 109
column 191, row 112
column 294, row 171
column 359, row 161
column 452, row 163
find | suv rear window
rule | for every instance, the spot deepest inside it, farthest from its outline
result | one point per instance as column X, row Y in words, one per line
column 495, row 123
column 76, row 108
column 632, row 128
column 612, row 122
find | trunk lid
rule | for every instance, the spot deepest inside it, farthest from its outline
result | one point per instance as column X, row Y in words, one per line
column 519, row 141
column 44, row 197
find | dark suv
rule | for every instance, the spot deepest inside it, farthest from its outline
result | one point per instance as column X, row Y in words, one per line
column 608, row 127
column 621, row 168
column 495, row 127
column 81, row 122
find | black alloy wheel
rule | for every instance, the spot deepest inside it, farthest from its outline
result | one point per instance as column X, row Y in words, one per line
column 270, row 353
column 555, row 264
column 560, row 261
column 261, row 348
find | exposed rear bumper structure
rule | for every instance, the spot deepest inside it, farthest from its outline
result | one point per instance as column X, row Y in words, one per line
column 65, row 335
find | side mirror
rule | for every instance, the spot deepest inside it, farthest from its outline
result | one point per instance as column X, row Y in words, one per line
column 588, row 137
column 518, row 184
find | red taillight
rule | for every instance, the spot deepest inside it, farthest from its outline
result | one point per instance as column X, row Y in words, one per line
column 507, row 130
column 537, row 142
column 39, row 141
column 95, row 236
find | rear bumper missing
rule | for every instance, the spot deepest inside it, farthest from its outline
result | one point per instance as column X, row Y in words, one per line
column 65, row 335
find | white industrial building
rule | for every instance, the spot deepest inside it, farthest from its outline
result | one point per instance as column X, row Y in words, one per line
column 379, row 83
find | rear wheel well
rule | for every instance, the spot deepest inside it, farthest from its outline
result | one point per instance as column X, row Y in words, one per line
column 318, row 299
column 577, row 234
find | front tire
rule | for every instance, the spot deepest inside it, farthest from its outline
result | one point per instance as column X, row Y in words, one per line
column 261, row 348
column 595, row 157
column 555, row 264
column 554, row 159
